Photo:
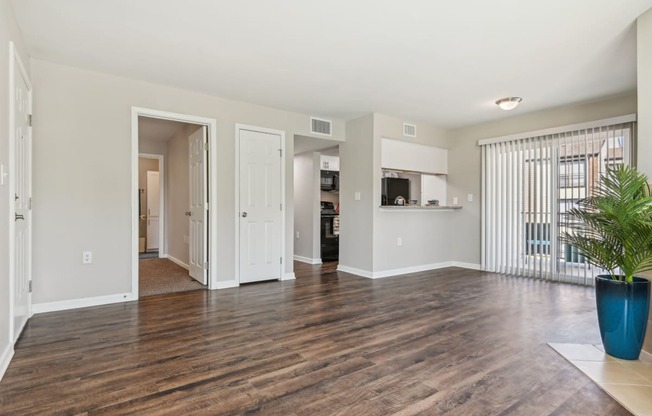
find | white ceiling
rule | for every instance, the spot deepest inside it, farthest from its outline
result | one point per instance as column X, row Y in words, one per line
column 158, row 130
column 443, row 62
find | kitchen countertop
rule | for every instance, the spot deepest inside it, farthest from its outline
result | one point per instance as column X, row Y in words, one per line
column 419, row 208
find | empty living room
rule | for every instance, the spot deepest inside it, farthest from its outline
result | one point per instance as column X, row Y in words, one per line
column 347, row 207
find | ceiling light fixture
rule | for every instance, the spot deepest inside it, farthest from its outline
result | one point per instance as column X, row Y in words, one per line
column 509, row 103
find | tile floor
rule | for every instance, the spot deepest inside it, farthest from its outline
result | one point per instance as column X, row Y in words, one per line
column 629, row 382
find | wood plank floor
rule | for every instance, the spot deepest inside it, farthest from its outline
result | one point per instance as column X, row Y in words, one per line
column 445, row 342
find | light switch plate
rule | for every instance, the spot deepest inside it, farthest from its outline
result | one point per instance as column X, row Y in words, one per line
column 469, row 197
column 3, row 174
column 455, row 201
column 357, row 196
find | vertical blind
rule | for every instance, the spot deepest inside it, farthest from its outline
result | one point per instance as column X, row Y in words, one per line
column 528, row 185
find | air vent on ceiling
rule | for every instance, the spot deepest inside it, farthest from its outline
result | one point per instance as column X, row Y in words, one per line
column 409, row 130
column 321, row 126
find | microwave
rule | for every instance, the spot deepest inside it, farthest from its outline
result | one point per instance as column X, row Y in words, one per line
column 330, row 180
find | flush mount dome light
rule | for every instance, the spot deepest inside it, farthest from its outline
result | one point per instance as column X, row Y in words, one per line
column 508, row 103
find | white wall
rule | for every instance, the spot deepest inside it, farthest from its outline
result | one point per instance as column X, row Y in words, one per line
column 644, row 74
column 464, row 161
column 306, row 205
column 425, row 235
column 83, row 174
column 8, row 32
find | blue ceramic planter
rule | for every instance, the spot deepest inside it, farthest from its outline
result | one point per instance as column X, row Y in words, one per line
column 622, row 315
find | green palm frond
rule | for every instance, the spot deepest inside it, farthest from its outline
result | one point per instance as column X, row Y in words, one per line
column 612, row 228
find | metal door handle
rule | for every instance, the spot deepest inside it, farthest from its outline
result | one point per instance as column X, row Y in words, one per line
column 19, row 217
column 244, row 214
column 188, row 213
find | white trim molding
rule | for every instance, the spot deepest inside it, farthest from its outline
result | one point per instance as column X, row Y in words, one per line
column 407, row 270
column 226, row 284
column 307, row 260
column 5, row 358
column 63, row 305
column 288, row 276
column 176, row 260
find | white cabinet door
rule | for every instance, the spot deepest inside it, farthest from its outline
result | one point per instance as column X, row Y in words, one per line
column 400, row 155
column 433, row 187
column 330, row 163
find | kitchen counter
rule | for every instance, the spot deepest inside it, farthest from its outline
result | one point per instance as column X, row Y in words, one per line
column 419, row 208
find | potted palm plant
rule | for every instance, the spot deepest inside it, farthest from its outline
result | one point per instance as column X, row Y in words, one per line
column 613, row 230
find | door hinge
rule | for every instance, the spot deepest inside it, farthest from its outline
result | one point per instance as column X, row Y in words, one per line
column 281, row 204
column 29, row 120
column 207, row 206
column 206, row 265
column 30, row 203
column 206, row 146
column 280, row 152
column 281, row 259
column 30, row 286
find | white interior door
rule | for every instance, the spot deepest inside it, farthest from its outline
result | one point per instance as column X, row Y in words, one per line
column 22, row 189
column 153, row 208
column 198, row 146
column 260, row 206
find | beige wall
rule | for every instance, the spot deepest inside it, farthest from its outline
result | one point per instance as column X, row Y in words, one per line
column 425, row 235
column 306, row 205
column 144, row 165
column 84, row 179
column 356, row 217
column 644, row 74
column 464, row 161
column 8, row 32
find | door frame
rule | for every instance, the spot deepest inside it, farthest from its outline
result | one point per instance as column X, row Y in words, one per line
column 211, row 125
column 14, row 58
column 239, row 127
column 162, row 240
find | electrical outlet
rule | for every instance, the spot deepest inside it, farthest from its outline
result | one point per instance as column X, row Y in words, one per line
column 297, row 235
column 399, row 241
column 455, row 201
column 469, row 197
column 87, row 257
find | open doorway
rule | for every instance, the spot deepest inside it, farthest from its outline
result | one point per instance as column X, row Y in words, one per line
column 317, row 211
column 171, row 216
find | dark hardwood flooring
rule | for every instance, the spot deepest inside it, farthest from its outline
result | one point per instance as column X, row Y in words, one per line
column 445, row 342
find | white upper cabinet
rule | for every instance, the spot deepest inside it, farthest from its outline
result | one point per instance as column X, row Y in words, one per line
column 330, row 163
column 400, row 155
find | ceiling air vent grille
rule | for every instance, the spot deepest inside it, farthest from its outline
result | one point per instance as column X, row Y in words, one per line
column 321, row 126
column 409, row 130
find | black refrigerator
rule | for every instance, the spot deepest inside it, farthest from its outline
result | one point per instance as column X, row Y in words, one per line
column 393, row 188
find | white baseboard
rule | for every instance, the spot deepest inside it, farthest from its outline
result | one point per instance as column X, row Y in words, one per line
column 176, row 260
column 226, row 284
column 353, row 270
column 307, row 260
column 471, row 266
column 5, row 359
column 82, row 303
column 406, row 270
column 288, row 276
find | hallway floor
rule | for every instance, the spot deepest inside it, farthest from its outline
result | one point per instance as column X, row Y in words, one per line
column 158, row 276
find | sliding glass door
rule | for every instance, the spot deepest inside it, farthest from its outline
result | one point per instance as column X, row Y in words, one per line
column 529, row 184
